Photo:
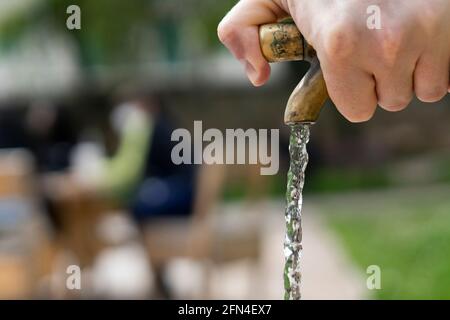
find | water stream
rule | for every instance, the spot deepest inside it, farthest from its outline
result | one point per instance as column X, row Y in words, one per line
column 293, row 240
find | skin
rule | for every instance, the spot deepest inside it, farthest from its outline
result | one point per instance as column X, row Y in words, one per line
column 362, row 67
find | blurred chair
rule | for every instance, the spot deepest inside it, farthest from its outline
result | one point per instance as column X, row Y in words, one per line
column 25, row 247
column 171, row 237
column 16, row 171
column 79, row 212
column 203, row 236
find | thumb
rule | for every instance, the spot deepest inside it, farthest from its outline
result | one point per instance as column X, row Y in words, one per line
column 238, row 31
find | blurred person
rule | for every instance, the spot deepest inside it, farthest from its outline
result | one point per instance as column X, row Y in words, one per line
column 361, row 66
column 141, row 174
column 12, row 133
column 50, row 136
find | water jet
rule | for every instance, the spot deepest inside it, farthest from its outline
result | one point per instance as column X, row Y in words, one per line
column 280, row 42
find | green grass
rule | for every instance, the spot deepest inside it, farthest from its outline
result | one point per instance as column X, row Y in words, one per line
column 407, row 235
column 338, row 180
column 325, row 180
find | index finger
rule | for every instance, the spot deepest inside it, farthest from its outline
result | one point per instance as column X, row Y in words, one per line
column 238, row 31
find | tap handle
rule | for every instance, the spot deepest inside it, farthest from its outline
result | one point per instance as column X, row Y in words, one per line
column 281, row 42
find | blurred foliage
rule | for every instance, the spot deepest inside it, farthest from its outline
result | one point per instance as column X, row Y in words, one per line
column 324, row 180
column 338, row 179
column 110, row 28
column 106, row 24
column 406, row 234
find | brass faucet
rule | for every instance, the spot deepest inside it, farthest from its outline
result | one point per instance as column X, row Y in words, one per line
column 283, row 41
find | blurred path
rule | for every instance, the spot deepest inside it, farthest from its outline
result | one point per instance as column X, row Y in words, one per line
column 327, row 271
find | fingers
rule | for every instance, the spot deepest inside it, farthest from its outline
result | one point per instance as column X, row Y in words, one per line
column 352, row 91
column 351, row 88
column 256, row 67
column 238, row 31
column 360, row 72
column 395, row 88
column 431, row 77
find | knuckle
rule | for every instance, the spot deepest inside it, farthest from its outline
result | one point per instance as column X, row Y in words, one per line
column 339, row 41
column 391, row 41
column 430, row 17
column 226, row 31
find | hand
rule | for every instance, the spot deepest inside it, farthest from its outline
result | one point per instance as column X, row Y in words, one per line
column 362, row 67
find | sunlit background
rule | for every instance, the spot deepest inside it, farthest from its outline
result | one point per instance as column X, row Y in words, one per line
column 72, row 171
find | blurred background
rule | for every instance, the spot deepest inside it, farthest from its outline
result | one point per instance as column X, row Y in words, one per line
column 86, row 177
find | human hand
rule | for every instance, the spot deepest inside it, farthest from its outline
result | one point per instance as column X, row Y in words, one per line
column 361, row 66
